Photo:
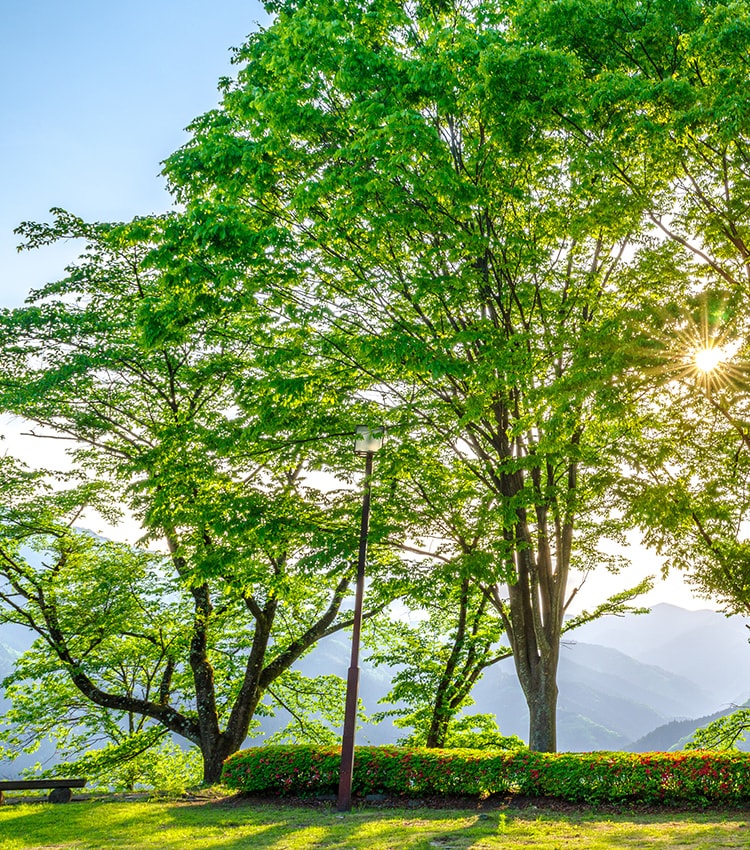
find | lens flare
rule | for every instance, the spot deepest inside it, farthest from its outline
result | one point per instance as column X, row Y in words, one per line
column 700, row 344
column 708, row 359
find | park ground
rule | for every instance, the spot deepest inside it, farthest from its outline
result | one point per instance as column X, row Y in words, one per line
column 209, row 822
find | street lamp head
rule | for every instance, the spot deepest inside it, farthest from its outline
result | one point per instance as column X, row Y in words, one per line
column 368, row 440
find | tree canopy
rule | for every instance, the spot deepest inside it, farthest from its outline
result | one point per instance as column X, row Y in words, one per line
column 407, row 173
column 255, row 563
column 499, row 228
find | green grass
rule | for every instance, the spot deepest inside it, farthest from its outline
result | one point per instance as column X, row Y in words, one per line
column 94, row 825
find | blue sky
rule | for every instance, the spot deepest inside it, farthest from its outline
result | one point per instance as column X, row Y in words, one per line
column 93, row 96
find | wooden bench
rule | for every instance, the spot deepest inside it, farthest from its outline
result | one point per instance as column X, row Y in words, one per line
column 61, row 788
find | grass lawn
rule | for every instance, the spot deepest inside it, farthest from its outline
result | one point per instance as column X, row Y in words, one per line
column 92, row 825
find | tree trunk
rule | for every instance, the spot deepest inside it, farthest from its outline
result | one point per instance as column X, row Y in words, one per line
column 533, row 621
column 443, row 711
column 542, row 705
column 537, row 675
column 214, row 753
column 438, row 727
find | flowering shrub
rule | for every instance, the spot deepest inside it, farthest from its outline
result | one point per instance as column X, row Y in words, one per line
column 697, row 776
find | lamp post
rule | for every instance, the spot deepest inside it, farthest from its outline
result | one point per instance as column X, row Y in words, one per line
column 366, row 444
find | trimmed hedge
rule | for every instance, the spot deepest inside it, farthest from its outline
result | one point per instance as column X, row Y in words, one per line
column 695, row 777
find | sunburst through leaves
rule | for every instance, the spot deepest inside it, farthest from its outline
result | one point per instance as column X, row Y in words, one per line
column 699, row 344
column 708, row 359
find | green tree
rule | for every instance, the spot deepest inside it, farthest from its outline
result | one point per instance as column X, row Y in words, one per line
column 449, row 530
column 256, row 563
column 722, row 734
column 407, row 172
column 669, row 81
column 121, row 750
column 440, row 658
column 688, row 484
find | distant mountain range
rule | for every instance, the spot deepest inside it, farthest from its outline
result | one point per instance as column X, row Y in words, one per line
column 707, row 647
column 8, row 657
column 634, row 683
column 621, row 678
column 674, row 735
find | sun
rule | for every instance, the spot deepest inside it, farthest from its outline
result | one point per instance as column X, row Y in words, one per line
column 709, row 358
column 699, row 347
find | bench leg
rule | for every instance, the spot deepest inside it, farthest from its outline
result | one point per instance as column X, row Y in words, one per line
column 60, row 795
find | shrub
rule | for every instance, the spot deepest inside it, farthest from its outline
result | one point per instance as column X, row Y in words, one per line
column 479, row 732
column 695, row 777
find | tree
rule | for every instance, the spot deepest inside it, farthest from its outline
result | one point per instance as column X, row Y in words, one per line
column 433, row 505
column 256, row 563
column 405, row 172
column 688, row 484
column 118, row 750
column 670, row 81
column 722, row 734
column 441, row 657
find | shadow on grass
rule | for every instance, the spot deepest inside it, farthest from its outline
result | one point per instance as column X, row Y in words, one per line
column 238, row 825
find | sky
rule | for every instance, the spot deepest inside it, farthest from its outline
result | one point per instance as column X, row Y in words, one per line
column 93, row 97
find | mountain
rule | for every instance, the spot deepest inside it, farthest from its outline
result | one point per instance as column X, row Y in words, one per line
column 621, row 678
column 14, row 640
column 8, row 656
column 705, row 646
column 612, row 671
column 674, row 735
column 607, row 699
column 9, row 652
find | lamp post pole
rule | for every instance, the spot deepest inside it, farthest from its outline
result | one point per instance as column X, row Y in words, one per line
column 366, row 445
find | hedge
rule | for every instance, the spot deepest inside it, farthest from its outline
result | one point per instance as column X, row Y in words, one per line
column 695, row 776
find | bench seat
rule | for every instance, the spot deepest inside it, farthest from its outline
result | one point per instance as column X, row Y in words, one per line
column 61, row 788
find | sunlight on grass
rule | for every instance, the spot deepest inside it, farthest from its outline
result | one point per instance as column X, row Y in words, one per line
column 215, row 826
